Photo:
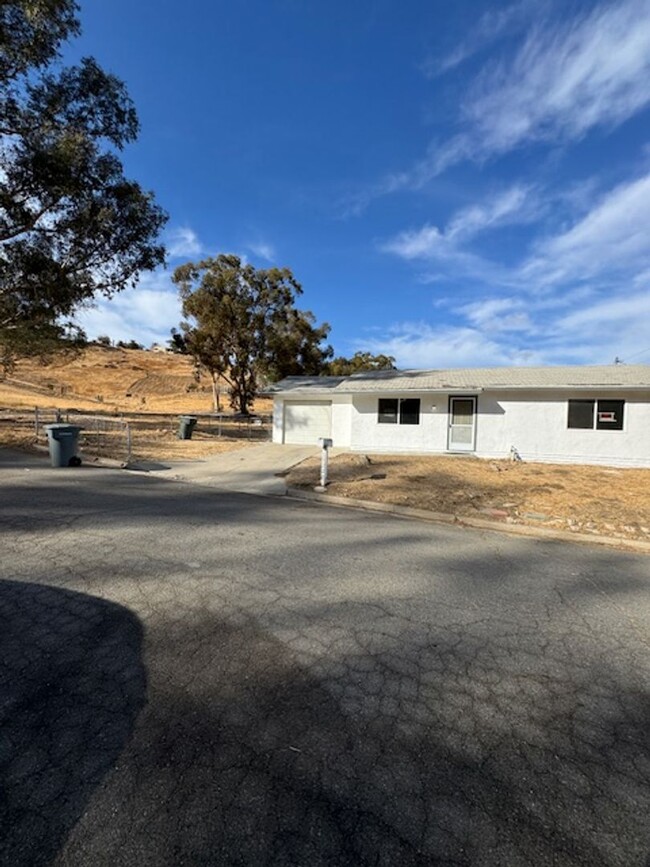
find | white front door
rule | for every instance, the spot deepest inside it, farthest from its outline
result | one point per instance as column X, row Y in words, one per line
column 462, row 424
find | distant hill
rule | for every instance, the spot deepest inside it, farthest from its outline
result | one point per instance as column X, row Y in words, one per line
column 110, row 378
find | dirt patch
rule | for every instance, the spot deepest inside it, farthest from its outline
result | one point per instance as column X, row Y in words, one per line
column 598, row 500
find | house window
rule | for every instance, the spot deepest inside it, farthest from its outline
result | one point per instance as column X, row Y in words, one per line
column 409, row 411
column 598, row 414
column 581, row 414
column 387, row 410
column 609, row 415
column 392, row 410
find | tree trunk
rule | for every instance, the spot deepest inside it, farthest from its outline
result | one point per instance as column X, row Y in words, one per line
column 216, row 393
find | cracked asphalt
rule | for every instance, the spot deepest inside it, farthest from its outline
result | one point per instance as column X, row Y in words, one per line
column 195, row 677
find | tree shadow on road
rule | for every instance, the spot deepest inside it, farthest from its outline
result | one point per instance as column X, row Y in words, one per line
column 391, row 760
column 72, row 683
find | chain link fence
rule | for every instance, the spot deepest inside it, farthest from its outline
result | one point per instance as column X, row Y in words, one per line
column 122, row 439
column 221, row 424
column 101, row 436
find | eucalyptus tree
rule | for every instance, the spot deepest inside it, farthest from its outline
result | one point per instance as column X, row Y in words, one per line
column 72, row 226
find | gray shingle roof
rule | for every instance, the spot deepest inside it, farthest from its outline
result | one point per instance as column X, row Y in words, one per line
column 309, row 384
column 610, row 376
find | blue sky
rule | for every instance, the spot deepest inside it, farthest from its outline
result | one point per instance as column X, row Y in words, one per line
column 453, row 184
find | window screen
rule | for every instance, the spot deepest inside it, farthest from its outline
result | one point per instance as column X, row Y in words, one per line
column 409, row 411
column 609, row 415
column 581, row 414
column 392, row 410
column 387, row 413
column 601, row 414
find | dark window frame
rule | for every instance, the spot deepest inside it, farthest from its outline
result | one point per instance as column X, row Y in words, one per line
column 386, row 415
column 410, row 415
column 599, row 407
column 399, row 410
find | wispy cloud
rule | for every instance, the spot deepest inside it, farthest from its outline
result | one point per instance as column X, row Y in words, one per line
column 263, row 250
column 593, row 334
column 447, row 247
column 182, row 242
column 564, row 80
column 582, row 294
column 514, row 205
column 610, row 241
column 492, row 25
column 498, row 314
column 611, row 313
column 419, row 344
column 569, row 76
column 606, row 244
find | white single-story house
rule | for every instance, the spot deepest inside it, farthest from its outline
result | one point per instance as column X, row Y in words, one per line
column 587, row 415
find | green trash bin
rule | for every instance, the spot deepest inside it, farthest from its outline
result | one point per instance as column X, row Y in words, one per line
column 187, row 423
column 63, row 440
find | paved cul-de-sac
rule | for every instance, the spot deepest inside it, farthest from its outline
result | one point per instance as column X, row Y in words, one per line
column 196, row 677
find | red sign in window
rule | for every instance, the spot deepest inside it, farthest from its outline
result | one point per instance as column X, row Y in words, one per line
column 607, row 417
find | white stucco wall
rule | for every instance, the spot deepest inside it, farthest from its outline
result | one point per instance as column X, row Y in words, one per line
column 278, row 419
column 342, row 421
column 535, row 425
column 428, row 436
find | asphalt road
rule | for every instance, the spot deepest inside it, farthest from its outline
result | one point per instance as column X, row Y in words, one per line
column 190, row 677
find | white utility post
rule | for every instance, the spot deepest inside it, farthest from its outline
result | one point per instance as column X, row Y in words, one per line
column 325, row 445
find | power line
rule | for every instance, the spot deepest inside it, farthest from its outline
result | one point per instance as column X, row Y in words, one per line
column 636, row 355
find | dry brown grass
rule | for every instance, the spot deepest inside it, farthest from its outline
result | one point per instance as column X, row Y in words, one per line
column 613, row 502
column 147, row 389
column 111, row 379
column 153, row 440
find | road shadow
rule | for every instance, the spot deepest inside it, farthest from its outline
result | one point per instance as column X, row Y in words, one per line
column 250, row 758
column 72, row 683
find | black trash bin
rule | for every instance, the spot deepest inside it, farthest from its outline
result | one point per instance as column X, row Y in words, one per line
column 63, row 440
column 187, row 423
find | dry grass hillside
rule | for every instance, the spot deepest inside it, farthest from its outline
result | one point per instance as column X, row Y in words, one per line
column 114, row 380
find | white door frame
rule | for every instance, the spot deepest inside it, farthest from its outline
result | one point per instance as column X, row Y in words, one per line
column 461, row 447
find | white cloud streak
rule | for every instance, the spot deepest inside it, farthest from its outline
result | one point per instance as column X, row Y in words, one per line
column 492, row 25
column 420, row 345
column 568, row 77
column 182, row 242
column 565, row 80
column 447, row 248
column 613, row 312
column 611, row 240
column 583, row 294
column 514, row 205
column 498, row 314
column 263, row 250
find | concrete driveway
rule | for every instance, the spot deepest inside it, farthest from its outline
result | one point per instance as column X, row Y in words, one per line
column 195, row 677
column 252, row 469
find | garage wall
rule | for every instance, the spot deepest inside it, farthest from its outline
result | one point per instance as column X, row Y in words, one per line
column 341, row 416
column 306, row 421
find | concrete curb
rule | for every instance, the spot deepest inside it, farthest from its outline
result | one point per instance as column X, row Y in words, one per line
column 464, row 521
